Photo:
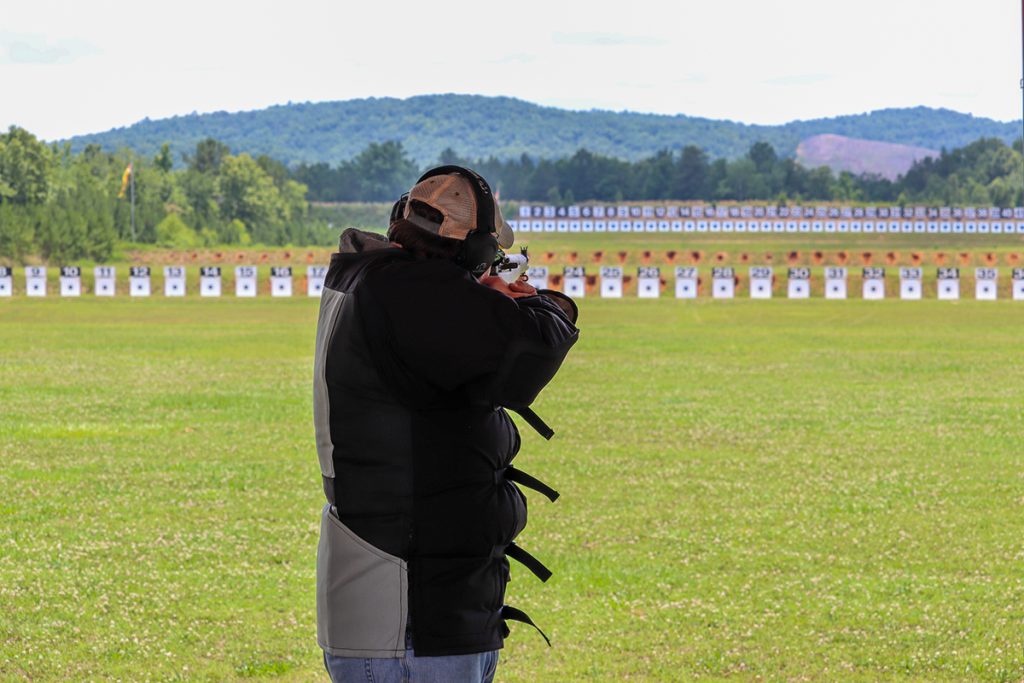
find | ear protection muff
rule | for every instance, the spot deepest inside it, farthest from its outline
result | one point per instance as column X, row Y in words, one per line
column 479, row 249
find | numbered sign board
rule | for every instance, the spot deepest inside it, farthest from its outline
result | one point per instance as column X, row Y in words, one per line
column 910, row 283
column 105, row 280
column 6, row 281
column 835, row 282
column 723, row 283
column 873, row 287
column 35, row 280
column 174, row 281
column 139, row 281
column 537, row 276
column 574, row 278
column 315, row 276
column 209, row 281
column 70, row 281
column 686, row 282
column 280, row 281
column 799, row 283
column 648, row 282
column 1018, row 284
column 611, row 282
column 761, row 282
column 985, row 284
column 948, row 284
column 245, row 281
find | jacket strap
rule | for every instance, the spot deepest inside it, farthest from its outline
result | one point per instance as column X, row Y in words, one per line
column 509, row 613
column 530, row 482
column 533, row 419
column 528, row 561
column 329, row 488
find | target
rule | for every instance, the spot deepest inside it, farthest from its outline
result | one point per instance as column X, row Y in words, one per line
column 6, row 281
column 873, row 287
column 835, row 282
column 910, row 283
column 315, row 276
column 611, row 282
column 538, row 277
column 686, row 282
column 280, row 281
column 648, row 282
column 174, row 281
column 723, row 283
column 761, row 282
column 798, row 283
column 575, row 279
column 70, row 281
column 104, row 280
column 139, row 281
column 209, row 281
column 35, row 280
column 245, row 281
column 986, row 282
column 948, row 288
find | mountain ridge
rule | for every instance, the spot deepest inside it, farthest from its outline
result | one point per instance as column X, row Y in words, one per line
column 478, row 126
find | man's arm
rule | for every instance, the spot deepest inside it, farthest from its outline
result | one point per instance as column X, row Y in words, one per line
column 456, row 333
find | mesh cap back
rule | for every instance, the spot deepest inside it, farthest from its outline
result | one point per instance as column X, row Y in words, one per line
column 453, row 197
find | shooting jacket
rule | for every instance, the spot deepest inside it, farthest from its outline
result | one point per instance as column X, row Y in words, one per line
column 415, row 364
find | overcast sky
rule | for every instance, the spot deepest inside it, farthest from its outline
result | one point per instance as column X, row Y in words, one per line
column 90, row 65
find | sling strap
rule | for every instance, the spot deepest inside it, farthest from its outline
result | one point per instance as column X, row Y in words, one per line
column 533, row 419
column 528, row 561
column 527, row 480
column 509, row 613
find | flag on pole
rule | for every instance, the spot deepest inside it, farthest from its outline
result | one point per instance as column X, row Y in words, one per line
column 124, row 181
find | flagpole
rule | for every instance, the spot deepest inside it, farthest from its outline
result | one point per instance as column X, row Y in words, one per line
column 132, row 192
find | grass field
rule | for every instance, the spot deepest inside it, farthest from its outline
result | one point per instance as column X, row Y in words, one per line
column 751, row 490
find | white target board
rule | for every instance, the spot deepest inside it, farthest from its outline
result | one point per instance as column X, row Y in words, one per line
column 70, row 281
column 315, row 277
column 280, row 281
column 35, row 280
column 1018, row 284
column 139, row 281
column 686, row 282
column 611, row 282
column 209, row 281
column 910, row 284
column 245, row 281
column 948, row 288
column 873, row 287
column 174, row 281
column 835, row 282
column 574, row 281
column 799, row 283
column 723, row 282
column 105, row 280
column 648, row 282
column 986, row 284
column 6, row 281
column 761, row 282
column 537, row 277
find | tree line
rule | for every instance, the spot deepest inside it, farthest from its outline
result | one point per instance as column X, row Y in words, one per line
column 64, row 205
column 984, row 173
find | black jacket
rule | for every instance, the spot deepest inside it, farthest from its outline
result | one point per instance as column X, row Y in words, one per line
column 415, row 362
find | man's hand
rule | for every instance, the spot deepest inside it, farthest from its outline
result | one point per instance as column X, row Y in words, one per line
column 515, row 290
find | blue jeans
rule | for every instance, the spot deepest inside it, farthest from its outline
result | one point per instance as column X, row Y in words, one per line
column 475, row 668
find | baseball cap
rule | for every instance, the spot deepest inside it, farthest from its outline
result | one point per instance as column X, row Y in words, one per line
column 453, row 198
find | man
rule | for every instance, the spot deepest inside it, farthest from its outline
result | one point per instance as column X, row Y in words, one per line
column 418, row 351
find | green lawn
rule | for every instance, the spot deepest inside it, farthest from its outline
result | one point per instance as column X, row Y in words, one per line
column 750, row 490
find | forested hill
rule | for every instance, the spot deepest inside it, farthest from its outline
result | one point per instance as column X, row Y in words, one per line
column 478, row 127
